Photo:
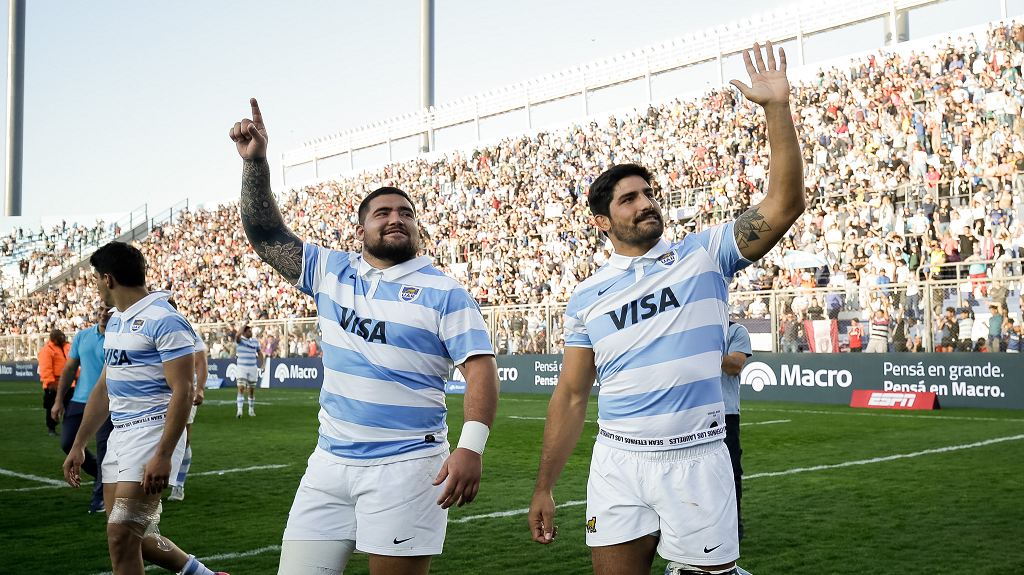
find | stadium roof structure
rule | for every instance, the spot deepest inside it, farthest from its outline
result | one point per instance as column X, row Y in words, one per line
column 793, row 22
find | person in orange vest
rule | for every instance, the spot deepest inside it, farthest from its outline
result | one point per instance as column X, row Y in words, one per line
column 52, row 358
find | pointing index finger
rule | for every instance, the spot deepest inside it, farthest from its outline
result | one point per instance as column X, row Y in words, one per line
column 257, row 117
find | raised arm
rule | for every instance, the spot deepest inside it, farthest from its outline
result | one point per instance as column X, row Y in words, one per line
column 761, row 227
column 262, row 220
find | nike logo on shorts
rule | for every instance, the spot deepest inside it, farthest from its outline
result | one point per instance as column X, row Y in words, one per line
column 403, row 540
column 706, row 550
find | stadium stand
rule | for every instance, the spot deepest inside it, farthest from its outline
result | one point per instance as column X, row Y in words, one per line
column 916, row 158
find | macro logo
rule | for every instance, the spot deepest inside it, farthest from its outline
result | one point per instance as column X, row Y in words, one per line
column 281, row 372
column 231, row 372
column 667, row 259
column 757, row 374
column 409, row 294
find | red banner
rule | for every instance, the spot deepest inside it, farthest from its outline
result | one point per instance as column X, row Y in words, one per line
column 822, row 335
column 894, row 399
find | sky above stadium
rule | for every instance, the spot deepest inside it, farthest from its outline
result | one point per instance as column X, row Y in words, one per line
column 129, row 103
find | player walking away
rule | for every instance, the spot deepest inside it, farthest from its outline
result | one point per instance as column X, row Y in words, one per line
column 202, row 372
column 393, row 327
column 247, row 371
column 737, row 350
column 86, row 352
column 52, row 358
column 146, row 390
column 652, row 324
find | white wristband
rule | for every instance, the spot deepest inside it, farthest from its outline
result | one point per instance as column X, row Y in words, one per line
column 474, row 436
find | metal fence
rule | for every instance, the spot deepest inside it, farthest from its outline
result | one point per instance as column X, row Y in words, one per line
column 917, row 313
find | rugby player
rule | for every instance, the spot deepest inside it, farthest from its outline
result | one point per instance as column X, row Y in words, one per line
column 247, row 353
column 381, row 479
column 87, row 353
column 202, row 372
column 652, row 325
column 146, row 389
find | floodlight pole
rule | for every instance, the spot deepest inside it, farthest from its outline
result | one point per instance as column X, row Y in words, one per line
column 426, row 67
column 15, row 105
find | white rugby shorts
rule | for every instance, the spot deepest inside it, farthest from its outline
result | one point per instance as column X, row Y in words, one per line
column 687, row 495
column 388, row 509
column 250, row 374
column 130, row 449
column 192, row 414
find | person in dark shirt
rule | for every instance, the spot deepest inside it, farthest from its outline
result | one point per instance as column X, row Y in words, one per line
column 929, row 207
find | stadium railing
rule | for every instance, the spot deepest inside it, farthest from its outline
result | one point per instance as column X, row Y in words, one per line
column 538, row 328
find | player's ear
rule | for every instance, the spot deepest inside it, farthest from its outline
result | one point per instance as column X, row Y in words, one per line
column 360, row 231
column 604, row 223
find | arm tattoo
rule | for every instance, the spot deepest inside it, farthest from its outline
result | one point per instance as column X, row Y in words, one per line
column 264, row 226
column 748, row 227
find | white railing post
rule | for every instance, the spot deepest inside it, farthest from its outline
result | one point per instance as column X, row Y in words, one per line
column 389, row 141
column 799, row 41
column 583, row 91
column 476, row 117
column 526, row 106
column 647, row 75
column 718, row 44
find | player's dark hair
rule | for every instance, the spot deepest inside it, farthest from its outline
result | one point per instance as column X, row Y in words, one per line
column 603, row 188
column 126, row 263
column 364, row 206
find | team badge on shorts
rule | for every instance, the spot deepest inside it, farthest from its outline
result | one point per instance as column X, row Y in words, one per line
column 409, row 294
column 592, row 525
column 137, row 325
column 667, row 259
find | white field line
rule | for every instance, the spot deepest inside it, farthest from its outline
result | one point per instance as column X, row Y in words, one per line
column 888, row 458
column 236, row 470
column 509, row 513
column 881, row 414
column 17, row 392
column 765, row 422
column 541, row 418
column 33, row 488
column 54, row 484
column 217, row 557
column 46, row 480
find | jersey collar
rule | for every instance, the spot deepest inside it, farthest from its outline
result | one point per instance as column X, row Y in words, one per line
column 366, row 271
column 625, row 262
column 142, row 304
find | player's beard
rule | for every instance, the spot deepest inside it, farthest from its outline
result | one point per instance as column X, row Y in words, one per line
column 639, row 232
column 391, row 248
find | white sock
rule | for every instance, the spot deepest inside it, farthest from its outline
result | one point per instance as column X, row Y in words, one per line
column 186, row 462
column 240, row 400
column 194, row 567
column 252, row 403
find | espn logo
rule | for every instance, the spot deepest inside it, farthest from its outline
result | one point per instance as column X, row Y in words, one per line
column 889, row 399
column 894, row 399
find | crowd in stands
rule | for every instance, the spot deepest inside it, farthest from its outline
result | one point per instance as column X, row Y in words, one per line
column 28, row 257
column 911, row 161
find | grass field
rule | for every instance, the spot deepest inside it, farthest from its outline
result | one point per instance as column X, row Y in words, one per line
column 937, row 510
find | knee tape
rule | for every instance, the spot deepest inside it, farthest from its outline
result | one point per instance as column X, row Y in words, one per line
column 140, row 518
column 315, row 557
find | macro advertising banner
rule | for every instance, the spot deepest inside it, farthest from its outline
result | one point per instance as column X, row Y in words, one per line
column 19, row 371
column 957, row 379
column 519, row 374
column 294, row 372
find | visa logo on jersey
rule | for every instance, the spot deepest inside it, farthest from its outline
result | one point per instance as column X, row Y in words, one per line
column 116, row 357
column 643, row 308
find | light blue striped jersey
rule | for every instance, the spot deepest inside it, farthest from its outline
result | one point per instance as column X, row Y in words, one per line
column 390, row 339
column 246, row 352
column 137, row 342
column 657, row 325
